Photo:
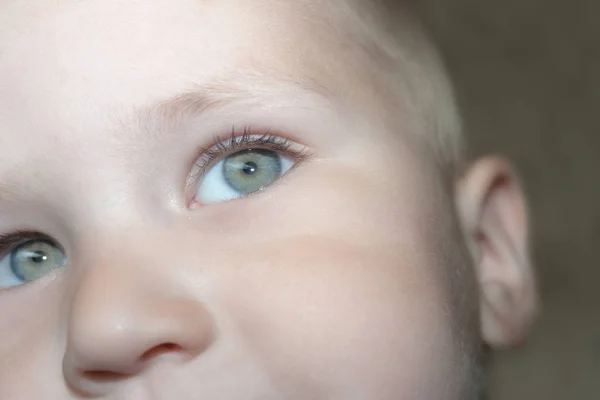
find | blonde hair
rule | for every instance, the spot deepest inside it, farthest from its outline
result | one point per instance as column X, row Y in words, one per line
column 410, row 72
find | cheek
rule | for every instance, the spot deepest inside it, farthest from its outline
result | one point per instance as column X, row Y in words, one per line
column 30, row 345
column 321, row 313
column 333, row 281
column 345, row 203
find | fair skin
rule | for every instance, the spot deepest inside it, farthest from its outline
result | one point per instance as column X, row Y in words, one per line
column 332, row 282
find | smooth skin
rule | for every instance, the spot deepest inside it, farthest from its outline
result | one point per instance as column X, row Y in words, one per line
column 339, row 281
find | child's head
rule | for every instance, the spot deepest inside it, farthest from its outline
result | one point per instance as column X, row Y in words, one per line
column 140, row 261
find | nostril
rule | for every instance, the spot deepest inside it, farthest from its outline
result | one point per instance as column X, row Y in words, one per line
column 157, row 351
column 112, row 376
column 104, row 376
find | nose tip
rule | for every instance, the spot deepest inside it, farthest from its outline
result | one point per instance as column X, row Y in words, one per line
column 118, row 333
column 103, row 344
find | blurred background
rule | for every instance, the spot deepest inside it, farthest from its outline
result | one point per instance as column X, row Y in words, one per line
column 528, row 79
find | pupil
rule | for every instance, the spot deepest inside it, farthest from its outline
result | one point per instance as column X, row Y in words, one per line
column 249, row 168
column 39, row 257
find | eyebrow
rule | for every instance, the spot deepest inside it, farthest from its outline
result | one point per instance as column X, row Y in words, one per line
column 13, row 193
column 247, row 89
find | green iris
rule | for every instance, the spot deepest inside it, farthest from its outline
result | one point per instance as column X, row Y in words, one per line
column 34, row 259
column 251, row 170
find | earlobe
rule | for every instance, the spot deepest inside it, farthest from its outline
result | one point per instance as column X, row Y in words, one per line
column 492, row 210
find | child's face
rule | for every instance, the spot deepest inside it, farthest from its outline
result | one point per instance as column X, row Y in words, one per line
column 143, row 281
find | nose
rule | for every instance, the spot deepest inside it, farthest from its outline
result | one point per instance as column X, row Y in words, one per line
column 125, row 317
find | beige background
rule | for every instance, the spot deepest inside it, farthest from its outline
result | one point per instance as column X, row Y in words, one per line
column 528, row 77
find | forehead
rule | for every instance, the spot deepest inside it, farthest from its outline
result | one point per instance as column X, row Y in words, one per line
column 67, row 67
column 75, row 59
column 70, row 68
column 100, row 51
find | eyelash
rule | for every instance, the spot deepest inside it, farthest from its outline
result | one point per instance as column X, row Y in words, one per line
column 9, row 242
column 208, row 156
column 244, row 141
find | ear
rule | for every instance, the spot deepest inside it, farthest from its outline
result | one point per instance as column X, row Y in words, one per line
column 493, row 213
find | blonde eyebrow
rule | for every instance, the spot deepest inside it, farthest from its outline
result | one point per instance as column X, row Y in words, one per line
column 245, row 88
column 12, row 192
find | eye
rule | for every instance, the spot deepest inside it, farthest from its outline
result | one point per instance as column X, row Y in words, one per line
column 29, row 261
column 241, row 174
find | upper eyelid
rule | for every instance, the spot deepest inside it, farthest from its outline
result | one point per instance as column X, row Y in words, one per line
column 8, row 242
column 207, row 157
column 247, row 139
